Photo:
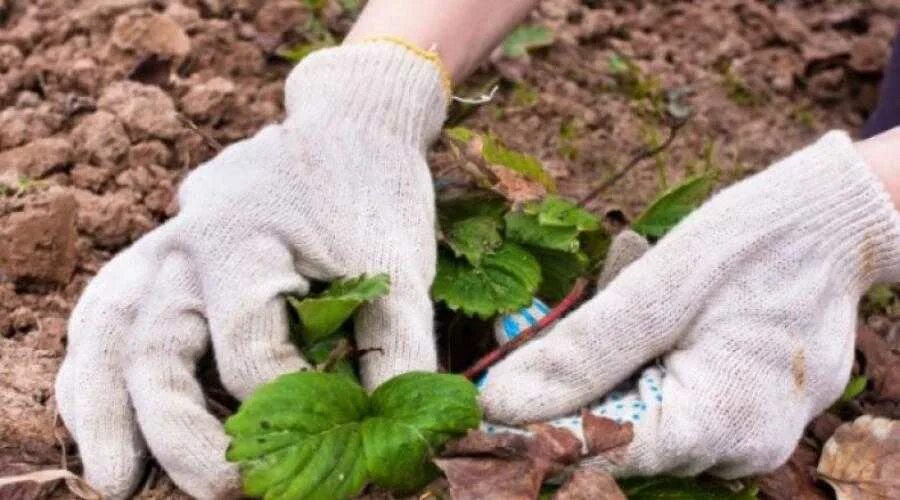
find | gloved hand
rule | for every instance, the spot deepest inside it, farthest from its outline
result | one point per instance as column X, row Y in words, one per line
column 751, row 301
column 341, row 187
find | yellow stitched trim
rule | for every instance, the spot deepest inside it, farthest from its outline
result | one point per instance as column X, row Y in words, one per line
column 428, row 55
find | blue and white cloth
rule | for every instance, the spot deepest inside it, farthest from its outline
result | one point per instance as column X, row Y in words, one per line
column 635, row 400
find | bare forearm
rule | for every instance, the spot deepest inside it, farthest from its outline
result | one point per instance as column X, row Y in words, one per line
column 462, row 32
column 882, row 153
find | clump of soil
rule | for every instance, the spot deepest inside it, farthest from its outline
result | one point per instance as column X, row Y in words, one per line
column 106, row 104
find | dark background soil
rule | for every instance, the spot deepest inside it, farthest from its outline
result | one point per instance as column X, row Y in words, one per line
column 106, row 104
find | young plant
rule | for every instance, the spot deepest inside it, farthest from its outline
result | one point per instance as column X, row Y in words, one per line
column 312, row 435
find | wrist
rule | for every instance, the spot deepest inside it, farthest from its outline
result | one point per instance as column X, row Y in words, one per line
column 881, row 154
column 461, row 32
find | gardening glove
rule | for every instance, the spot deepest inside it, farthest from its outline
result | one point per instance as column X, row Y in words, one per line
column 751, row 302
column 340, row 188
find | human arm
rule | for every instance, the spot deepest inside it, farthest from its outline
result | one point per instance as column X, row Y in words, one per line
column 750, row 306
column 461, row 32
column 339, row 188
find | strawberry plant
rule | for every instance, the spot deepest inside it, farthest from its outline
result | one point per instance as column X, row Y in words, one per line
column 317, row 434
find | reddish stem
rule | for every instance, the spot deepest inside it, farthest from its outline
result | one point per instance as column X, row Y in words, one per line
column 500, row 352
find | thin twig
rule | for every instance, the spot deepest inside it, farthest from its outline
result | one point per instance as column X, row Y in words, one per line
column 210, row 140
column 500, row 352
column 639, row 157
column 340, row 351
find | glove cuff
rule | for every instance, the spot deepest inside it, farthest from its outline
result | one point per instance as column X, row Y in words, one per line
column 849, row 211
column 378, row 85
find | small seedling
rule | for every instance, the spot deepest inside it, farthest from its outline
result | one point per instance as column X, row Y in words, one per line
column 525, row 38
column 317, row 434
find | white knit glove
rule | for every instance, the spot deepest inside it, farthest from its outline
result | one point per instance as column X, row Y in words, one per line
column 751, row 301
column 340, row 188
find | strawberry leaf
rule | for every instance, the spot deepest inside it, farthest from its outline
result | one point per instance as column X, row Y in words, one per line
column 559, row 270
column 672, row 206
column 322, row 315
column 316, row 435
column 559, row 212
column 527, row 230
column 474, row 237
column 506, row 280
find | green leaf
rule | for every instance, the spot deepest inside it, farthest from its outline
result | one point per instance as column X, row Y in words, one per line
column 672, row 206
column 417, row 411
column 496, row 153
column 479, row 203
column 880, row 296
column 559, row 270
column 506, row 280
column 461, row 134
column 854, row 388
column 297, row 53
column 296, row 435
column 681, row 488
column 321, row 316
column 526, row 37
column 316, row 435
column 526, row 229
column 474, row 237
column 556, row 211
column 595, row 245
column 319, row 352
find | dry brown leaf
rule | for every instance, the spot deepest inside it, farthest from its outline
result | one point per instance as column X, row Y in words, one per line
column 862, row 459
column 553, row 448
column 882, row 364
column 603, row 435
column 515, row 187
column 590, row 484
column 481, row 478
column 79, row 487
column 505, row 465
column 795, row 480
column 478, row 443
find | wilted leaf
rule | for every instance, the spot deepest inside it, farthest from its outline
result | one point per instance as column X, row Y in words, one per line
column 516, row 188
column 672, row 206
column 480, row 443
column 318, row 435
column 682, row 488
column 322, row 315
column 506, row 280
column 603, row 435
column 491, row 478
column 882, row 364
column 590, row 484
column 507, row 466
column 497, row 154
column 526, row 37
column 862, row 459
column 794, row 480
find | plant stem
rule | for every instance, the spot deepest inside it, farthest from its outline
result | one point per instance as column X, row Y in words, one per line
column 500, row 352
column 642, row 155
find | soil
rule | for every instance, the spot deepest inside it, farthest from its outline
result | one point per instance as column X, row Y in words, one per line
column 106, row 104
